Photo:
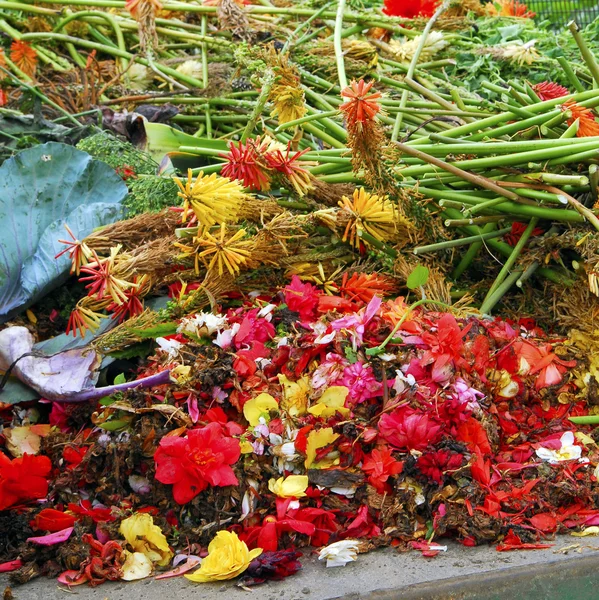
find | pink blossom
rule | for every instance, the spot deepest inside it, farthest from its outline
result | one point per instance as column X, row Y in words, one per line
column 330, row 371
column 356, row 324
column 465, row 393
column 361, row 383
column 408, row 429
column 302, row 298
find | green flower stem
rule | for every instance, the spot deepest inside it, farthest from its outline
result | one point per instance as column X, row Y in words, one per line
column 574, row 81
column 268, row 80
column 511, row 261
column 204, row 55
column 471, row 253
column 108, row 18
column 378, row 244
column 471, row 177
column 460, row 241
column 528, row 273
column 413, row 63
column 312, row 117
column 490, row 301
column 586, row 420
column 587, row 55
column 339, row 59
column 331, row 126
column 112, row 51
column 303, row 25
column 39, row 10
column 475, row 221
column 325, row 137
column 571, row 131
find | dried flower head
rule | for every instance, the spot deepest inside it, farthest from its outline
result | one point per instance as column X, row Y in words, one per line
column 288, row 103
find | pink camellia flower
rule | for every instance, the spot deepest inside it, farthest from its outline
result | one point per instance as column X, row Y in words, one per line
column 302, row 298
column 356, row 324
column 330, row 371
column 361, row 383
column 409, row 429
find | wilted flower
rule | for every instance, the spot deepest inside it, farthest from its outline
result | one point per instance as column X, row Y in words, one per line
column 227, row 558
column 202, row 324
column 293, row 486
column 145, row 537
column 560, row 450
column 340, row 553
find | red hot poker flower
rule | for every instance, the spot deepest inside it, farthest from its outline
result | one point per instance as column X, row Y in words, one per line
column 547, row 90
column 23, row 479
column 194, row 462
column 360, row 106
column 587, row 125
column 244, row 165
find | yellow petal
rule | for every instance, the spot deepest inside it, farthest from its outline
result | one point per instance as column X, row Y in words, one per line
column 21, row 440
column 145, row 537
column 293, row 486
column 316, row 440
column 594, row 530
column 332, row 401
column 260, row 406
column 137, row 566
column 295, row 395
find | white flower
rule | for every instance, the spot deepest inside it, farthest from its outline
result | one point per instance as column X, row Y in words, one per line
column 265, row 311
column 340, row 553
column 212, row 323
column 224, row 339
column 403, row 382
column 171, row 347
column 568, row 450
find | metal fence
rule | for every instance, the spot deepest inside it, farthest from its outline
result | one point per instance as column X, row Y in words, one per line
column 560, row 12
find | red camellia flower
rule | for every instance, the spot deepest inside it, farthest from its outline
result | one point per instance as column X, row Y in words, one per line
column 381, row 465
column 408, row 429
column 409, row 9
column 302, row 298
column 23, row 479
column 192, row 463
column 434, row 464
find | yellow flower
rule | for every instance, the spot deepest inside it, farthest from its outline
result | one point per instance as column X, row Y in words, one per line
column 257, row 407
column 230, row 253
column 288, row 103
column 213, row 199
column 332, row 401
column 295, row 395
column 371, row 214
column 145, row 537
column 227, row 558
column 293, row 486
column 316, row 440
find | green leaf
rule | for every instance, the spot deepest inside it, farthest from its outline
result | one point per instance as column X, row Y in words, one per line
column 155, row 332
column 114, row 425
column 42, row 189
column 418, row 277
column 120, row 378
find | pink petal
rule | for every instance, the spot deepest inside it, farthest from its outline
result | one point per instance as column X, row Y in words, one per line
column 191, row 563
column 52, row 538
column 71, row 578
column 11, row 565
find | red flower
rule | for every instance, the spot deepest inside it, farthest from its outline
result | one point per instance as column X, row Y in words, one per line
column 243, row 164
column 547, row 90
column 434, row 464
column 360, row 106
column 540, row 359
column 381, row 465
column 245, row 361
column 73, row 456
column 518, row 229
column 409, row 9
column 126, row 172
column 408, row 429
column 364, row 286
column 23, row 479
column 3, row 98
column 302, row 298
column 50, row 519
column 473, row 434
column 192, row 463
column 98, row 514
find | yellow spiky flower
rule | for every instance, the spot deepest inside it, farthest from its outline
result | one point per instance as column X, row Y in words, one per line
column 288, row 103
column 225, row 252
column 368, row 213
column 214, row 200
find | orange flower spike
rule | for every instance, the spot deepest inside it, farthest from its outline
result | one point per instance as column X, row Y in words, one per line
column 514, row 8
column 24, row 57
column 360, row 105
column 587, row 125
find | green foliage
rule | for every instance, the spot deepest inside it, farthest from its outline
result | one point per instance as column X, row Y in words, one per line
column 151, row 193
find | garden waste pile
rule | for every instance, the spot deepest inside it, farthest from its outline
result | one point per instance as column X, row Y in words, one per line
column 288, row 279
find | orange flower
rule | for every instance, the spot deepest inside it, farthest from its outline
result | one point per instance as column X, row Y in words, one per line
column 587, row 126
column 364, row 286
column 513, row 8
column 360, row 106
column 24, row 56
